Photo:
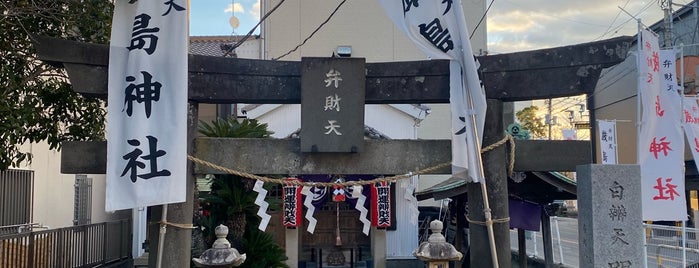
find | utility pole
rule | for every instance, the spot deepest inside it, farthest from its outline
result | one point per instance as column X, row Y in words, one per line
column 666, row 5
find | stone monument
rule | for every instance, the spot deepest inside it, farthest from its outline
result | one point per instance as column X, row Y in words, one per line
column 609, row 221
column 437, row 252
column 220, row 255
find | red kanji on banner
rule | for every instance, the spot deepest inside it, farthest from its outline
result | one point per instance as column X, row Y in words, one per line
column 658, row 110
column 292, row 204
column 654, row 61
column 381, row 204
column 668, row 189
column 658, row 147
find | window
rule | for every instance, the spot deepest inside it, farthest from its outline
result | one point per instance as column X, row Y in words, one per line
column 16, row 188
column 83, row 200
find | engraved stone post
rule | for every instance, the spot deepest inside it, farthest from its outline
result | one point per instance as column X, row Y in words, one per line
column 610, row 223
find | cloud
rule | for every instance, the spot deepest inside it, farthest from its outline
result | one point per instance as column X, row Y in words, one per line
column 535, row 24
column 255, row 11
column 237, row 7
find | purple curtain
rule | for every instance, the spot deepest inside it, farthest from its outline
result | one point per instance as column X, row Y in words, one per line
column 525, row 215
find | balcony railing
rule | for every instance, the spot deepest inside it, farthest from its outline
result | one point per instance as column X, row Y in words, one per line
column 20, row 228
column 93, row 245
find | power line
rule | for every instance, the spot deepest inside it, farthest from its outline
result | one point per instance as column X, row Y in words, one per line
column 241, row 41
column 481, row 20
column 314, row 31
column 613, row 20
column 633, row 18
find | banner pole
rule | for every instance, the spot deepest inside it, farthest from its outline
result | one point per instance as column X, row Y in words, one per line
column 476, row 142
column 638, row 118
column 638, row 93
column 489, row 225
column 161, row 238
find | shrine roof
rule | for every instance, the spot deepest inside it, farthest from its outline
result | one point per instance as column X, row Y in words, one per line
column 537, row 187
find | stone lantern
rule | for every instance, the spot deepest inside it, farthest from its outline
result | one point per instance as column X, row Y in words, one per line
column 436, row 251
column 220, row 255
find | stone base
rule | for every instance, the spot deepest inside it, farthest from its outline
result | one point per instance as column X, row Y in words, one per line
column 414, row 263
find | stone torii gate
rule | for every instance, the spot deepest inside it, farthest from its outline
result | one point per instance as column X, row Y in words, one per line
column 547, row 73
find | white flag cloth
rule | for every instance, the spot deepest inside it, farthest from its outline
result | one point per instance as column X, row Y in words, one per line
column 661, row 145
column 438, row 28
column 570, row 134
column 691, row 125
column 607, row 141
column 147, row 111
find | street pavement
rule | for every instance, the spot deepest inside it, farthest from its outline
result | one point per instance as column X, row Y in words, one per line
column 568, row 242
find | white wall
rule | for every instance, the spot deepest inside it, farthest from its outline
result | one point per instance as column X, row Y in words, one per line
column 54, row 192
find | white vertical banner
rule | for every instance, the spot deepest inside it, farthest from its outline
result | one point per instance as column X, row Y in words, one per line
column 438, row 28
column 607, row 141
column 570, row 134
column 691, row 125
column 147, row 104
column 661, row 146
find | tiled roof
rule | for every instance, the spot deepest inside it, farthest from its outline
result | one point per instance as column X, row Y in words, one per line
column 212, row 45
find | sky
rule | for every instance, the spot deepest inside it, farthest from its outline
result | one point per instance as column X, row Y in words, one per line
column 513, row 25
column 211, row 17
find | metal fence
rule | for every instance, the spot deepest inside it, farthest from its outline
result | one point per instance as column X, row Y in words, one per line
column 671, row 246
column 665, row 246
column 16, row 187
column 93, row 245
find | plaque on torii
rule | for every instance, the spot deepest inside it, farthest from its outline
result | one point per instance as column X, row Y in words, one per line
column 332, row 105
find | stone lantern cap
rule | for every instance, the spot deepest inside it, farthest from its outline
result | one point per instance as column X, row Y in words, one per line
column 436, row 248
column 220, row 255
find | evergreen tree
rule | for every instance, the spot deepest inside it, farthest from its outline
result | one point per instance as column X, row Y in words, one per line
column 37, row 102
column 527, row 118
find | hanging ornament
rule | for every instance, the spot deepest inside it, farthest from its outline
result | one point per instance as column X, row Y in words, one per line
column 291, row 204
column 381, row 204
column 409, row 196
column 260, row 201
column 339, row 191
column 359, row 206
column 310, row 209
column 338, row 239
